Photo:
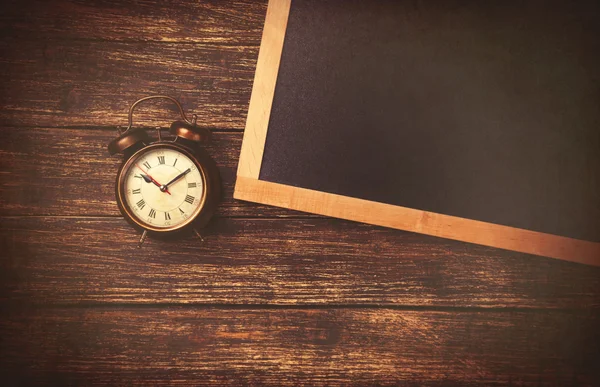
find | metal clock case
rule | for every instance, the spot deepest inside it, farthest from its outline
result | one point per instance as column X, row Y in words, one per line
column 166, row 188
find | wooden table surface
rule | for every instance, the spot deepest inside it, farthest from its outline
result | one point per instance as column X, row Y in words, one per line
column 272, row 296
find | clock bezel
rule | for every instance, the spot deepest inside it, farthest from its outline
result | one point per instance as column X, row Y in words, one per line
column 204, row 209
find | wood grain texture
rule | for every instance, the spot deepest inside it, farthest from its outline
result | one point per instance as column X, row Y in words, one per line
column 49, row 171
column 298, row 347
column 181, row 21
column 75, row 84
column 263, row 89
column 242, row 261
column 409, row 219
column 82, row 306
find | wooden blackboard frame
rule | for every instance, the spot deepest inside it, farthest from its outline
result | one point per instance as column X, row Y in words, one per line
column 249, row 187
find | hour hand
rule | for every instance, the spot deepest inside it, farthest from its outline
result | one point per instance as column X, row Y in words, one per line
column 146, row 178
column 149, row 179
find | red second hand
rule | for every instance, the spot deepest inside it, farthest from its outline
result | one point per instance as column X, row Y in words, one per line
column 153, row 180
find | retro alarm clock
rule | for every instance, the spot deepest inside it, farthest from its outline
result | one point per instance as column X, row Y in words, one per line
column 166, row 188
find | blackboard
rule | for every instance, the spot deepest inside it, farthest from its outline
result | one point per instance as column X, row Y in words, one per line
column 476, row 121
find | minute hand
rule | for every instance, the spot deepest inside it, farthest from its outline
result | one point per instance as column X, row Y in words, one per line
column 177, row 178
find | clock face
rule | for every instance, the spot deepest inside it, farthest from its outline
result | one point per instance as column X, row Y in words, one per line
column 162, row 188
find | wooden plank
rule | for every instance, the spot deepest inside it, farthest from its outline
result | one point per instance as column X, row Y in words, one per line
column 49, row 171
column 263, row 89
column 296, row 347
column 80, row 83
column 301, row 262
column 189, row 21
column 425, row 222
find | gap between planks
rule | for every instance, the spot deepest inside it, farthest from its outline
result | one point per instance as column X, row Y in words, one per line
column 136, row 41
column 113, row 217
column 14, row 306
column 110, row 128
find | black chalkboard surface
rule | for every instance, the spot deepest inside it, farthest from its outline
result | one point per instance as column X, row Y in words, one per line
column 480, row 110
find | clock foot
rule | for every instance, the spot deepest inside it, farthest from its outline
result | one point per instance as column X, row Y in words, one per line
column 142, row 239
column 199, row 235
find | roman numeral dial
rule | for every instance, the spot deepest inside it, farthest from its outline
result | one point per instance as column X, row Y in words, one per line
column 162, row 188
